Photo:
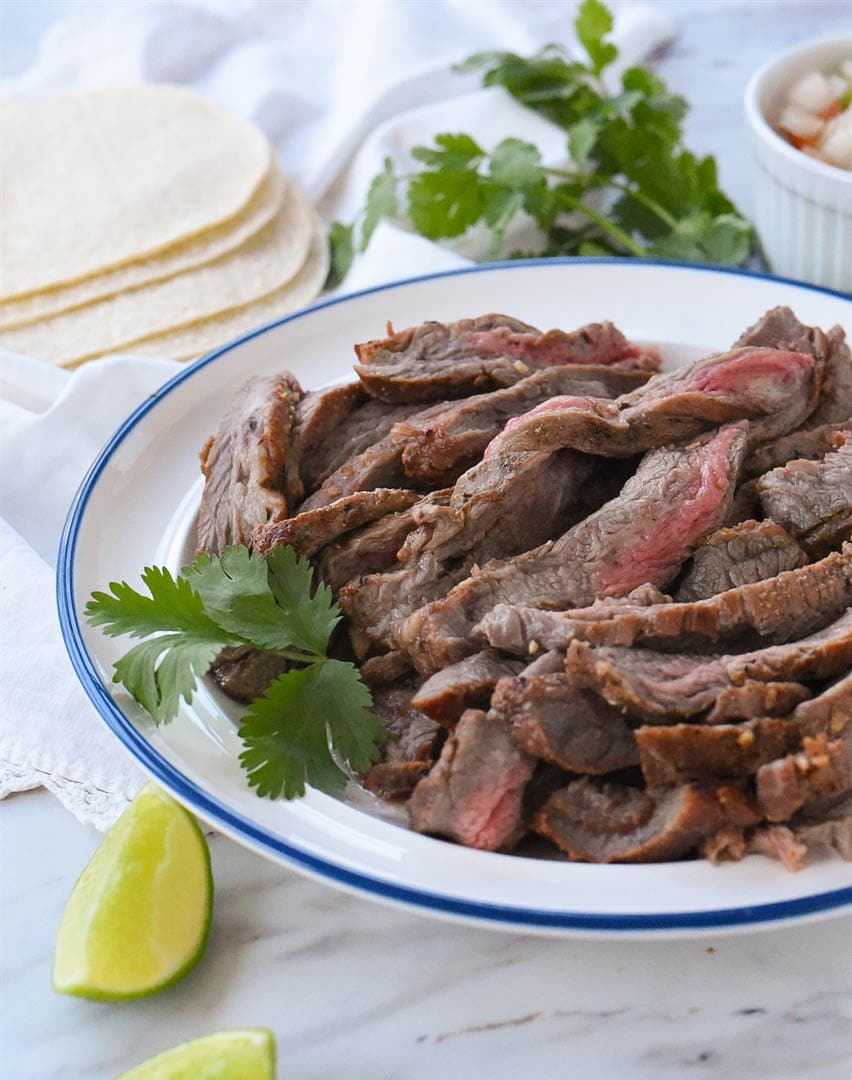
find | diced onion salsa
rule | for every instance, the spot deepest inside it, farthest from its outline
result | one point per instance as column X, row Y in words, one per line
column 817, row 117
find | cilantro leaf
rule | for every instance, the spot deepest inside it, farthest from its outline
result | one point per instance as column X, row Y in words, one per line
column 445, row 204
column 582, row 137
column 341, row 240
column 592, row 24
column 456, row 153
column 311, row 614
column 381, row 202
column 161, row 671
column 287, row 733
column 516, row 164
column 237, row 594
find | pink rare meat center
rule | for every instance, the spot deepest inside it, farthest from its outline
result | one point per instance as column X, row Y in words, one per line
column 741, row 373
column 544, row 350
column 696, row 513
column 489, row 822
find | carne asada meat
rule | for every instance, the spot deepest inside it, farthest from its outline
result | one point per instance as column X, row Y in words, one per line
column 677, row 754
column 808, row 443
column 385, row 669
column 835, row 399
column 753, row 697
column 311, row 530
column 571, row 728
column 829, row 711
column 665, row 685
column 411, row 735
column 791, row 844
column 812, row 499
column 441, row 442
column 775, row 390
column 608, row 823
column 676, row 497
column 366, row 425
column 318, row 415
column 778, row 609
column 437, row 360
column 823, row 767
column 779, row 328
column 474, row 792
column 245, row 673
column 739, row 555
column 511, row 507
column 466, row 685
column 243, row 463
column 393, row 781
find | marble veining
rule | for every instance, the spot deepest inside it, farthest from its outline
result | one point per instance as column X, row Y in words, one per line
column 357, row 990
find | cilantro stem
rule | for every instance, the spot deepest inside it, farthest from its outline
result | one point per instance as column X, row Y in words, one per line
column 646, row 201
column 605, row 226
column 295, row 656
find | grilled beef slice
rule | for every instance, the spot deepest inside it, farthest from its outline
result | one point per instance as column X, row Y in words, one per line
column 738, row 555
column 310, row 531
column 835, row 399
column 411, row 735
column 437, row 360
column 809, row 443
column 245, row 673
column 812, row 499
column 466, row 685
column 821, row 769
column 395, row 780
column 779, row 328
column 474, row 792
column 665, row 685
column 511, row 507
column 367, row 424
column 243, row 463
column 570, row 728
column 775, row 390
column 676, row 497
column 790, row 605
column 439, row 443
column 829, row 711
column 792, row 844
column 318, row 415
column 678, row 753
column 607, row 823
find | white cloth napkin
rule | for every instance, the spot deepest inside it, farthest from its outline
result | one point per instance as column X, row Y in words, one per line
column 337, row 85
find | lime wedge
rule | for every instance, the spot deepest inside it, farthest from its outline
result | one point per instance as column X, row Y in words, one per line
column 138, row 918
column 230, row 1055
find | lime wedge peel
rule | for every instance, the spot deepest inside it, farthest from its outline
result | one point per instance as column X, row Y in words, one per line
column 138, row 917
column 245, row 1054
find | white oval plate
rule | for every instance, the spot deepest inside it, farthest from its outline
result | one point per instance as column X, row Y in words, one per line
column 137, row 505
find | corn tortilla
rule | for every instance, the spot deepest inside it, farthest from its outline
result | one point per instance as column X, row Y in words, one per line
column 97, row 179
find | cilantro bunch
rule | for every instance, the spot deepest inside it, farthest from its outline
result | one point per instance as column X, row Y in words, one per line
column 311, row 718
column 632, row 188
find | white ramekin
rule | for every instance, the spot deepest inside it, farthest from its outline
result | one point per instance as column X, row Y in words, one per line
column 803, row 208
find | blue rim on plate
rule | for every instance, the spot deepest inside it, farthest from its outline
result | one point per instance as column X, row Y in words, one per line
column 263, row 841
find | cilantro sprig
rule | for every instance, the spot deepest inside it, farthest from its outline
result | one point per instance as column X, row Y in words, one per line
column 314, row 721
column 632, row 187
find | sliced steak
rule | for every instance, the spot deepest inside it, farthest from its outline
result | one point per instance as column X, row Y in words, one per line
column 790, row 605
column 812, row 499
column 835, row 400
column 474, row 792
column 443, row 441
column 680, row 753
column 675, row 498
column 739, row 555
column 243, row 463
column 411, row 735
column 466, row 685
column 608, row 823
column 366, row 425
column 754, row 697
column 318, row 415
column 373, row 547
column 792, row 844
column 807, row 443
column 830, row 711
column 666, row 686
column 570, row 728
column 385, row 669
column 775, row 390
column 517, row 506
column 245, row 673
column 437, row 360
column 779, row 328
column 823, row 767
column 394, row 781
column 310, row 531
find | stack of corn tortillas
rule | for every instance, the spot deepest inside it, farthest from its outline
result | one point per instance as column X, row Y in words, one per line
column 144, row 220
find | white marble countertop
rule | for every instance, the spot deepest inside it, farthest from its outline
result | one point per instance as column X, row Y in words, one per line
column 351, row 988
